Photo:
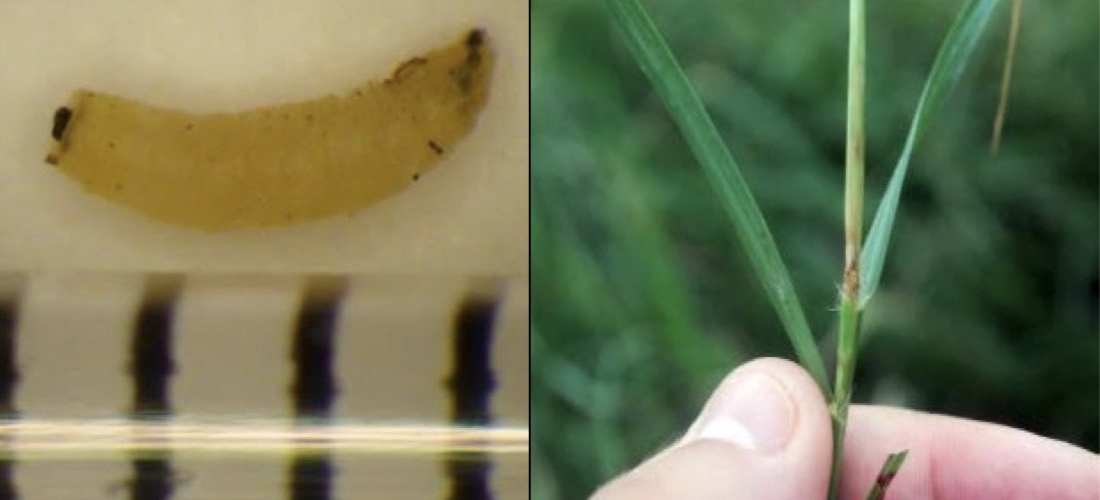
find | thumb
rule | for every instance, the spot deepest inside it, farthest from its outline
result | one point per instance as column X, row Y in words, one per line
column 764, row 433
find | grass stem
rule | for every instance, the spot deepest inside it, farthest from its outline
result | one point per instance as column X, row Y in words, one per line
column 842, row 395
column 853, row 233
column 854, row 157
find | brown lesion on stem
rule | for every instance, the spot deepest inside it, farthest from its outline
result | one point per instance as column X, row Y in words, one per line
column 884, row 480
column 851, row 275
column 856, row 149
column 886, row 475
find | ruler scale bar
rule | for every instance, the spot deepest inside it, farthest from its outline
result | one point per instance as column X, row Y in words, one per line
column 191, row 417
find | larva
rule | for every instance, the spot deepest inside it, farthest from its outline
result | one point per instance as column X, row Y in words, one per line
column 279, row 164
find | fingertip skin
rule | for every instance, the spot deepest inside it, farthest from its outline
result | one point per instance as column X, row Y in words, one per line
column 694, row 468
column 949, row 458
column 952, row 457
column 280, row 164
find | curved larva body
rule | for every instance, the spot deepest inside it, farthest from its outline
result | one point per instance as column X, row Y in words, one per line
column 279, row 164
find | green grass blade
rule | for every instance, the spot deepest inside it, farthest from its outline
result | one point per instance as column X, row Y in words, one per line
column 950, row 63
column 668, row 78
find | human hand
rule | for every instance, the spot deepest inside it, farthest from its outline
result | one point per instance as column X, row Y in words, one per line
column 765, row 433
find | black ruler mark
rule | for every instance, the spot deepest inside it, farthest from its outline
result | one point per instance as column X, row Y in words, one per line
column 472, row 380
column 311, row 476
column 151, row 360
column 9, row 374
column 314, row 390
column 152, row 365
column 154, row 478
column 8, row 491
column 471, row 384
column 469, row 473
column 9, row 377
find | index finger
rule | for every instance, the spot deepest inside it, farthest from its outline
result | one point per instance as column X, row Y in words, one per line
column 954, row 458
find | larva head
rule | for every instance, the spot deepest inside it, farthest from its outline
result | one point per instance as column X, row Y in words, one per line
column 475, row 38
column 61, row 119
column 472, row 67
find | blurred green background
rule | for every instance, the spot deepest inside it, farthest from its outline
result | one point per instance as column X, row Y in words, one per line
column 643, row 299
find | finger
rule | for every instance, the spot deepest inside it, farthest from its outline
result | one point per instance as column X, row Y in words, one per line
column 954, row 458
column 764, row 433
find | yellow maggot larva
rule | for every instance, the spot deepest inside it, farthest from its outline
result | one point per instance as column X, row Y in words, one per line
column 278, row 164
